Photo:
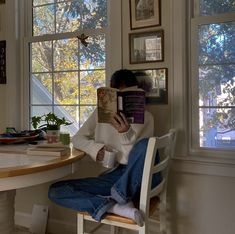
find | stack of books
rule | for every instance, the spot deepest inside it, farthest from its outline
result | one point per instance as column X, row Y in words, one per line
column 49, row 150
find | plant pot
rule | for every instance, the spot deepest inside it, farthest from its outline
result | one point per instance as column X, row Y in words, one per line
column 53, row 134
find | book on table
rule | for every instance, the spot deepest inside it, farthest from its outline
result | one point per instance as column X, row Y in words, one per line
column 48, row 151
column 129, row 101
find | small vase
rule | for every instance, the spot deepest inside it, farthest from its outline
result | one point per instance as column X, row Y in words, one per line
column 53, row 134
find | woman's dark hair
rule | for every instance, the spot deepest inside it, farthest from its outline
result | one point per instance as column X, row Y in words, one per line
column 123, row 77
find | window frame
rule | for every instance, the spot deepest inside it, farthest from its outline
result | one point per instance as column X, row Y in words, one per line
column 26, row 37
column 195, row 21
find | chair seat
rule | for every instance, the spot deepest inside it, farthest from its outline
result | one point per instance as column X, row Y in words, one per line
column 154, row 203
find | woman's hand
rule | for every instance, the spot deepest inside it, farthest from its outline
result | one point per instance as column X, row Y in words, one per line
column 120, row 123
column 100, row 155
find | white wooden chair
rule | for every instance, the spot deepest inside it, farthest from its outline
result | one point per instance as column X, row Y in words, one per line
column 151, row 200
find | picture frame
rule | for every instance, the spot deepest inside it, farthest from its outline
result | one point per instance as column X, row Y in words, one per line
column 146, row 47
column 145, row 13
column 155, row 83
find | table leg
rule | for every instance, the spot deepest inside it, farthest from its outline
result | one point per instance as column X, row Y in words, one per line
column 7, row 211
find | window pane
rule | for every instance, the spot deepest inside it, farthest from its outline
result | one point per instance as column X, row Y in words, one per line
column 70, row 113
column 217, row 85
column 41, row 56
column 40, row 110
column 75, row 15
column 92, row 13
column 68, row 18
column 66, row 88
column 41, row 88
column 217, row 127
column 216, row 43
column 90, row 81
column 93, row 56
column 213, row 7
column 44, row 20
column 85, row 112
column 66, row 54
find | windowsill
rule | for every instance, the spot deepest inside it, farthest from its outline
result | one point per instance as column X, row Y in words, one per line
column 204, row 165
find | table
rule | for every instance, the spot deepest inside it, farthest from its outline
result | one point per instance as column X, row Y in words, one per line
column 19, row 170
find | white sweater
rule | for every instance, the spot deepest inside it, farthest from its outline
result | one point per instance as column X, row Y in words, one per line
column 92, row 136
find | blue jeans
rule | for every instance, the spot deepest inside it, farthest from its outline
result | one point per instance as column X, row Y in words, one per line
column 96, row 195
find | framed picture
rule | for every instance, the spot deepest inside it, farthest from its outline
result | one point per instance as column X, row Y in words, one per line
column 145, row 13
column 146, row 47
column 155, row 83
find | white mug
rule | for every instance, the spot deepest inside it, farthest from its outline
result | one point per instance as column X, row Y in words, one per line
column 110, row 159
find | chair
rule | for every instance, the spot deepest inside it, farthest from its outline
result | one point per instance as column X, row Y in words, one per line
column 151, row 200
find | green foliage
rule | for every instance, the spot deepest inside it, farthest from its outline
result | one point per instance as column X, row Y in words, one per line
column 51, row 120
column 216, row 73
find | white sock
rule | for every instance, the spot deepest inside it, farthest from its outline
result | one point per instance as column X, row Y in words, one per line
column 129, row 211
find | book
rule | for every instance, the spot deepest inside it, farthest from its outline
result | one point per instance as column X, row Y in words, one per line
column 129, row 101
column 48, row 151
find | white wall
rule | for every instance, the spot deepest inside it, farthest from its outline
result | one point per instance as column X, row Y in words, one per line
column 201, row 203
column 162, row 113
column 2, row 86
column 201, row 192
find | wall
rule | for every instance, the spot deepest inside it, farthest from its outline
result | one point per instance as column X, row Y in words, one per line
column 2, row 86
column 10, row 92
column 162, row 113
column 201, row 192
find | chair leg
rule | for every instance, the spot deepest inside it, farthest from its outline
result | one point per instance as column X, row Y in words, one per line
column 144, row 229
column 80, row 224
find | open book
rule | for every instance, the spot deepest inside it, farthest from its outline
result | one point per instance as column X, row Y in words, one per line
column 130, row 101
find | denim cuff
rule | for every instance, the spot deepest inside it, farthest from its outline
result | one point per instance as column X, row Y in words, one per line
column 102, row 209
column 117, row 196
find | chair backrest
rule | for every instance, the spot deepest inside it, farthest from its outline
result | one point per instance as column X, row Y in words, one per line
column 165, row 145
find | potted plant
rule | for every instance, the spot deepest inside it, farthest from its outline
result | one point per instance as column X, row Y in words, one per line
column 51, row 125
column 53, row 122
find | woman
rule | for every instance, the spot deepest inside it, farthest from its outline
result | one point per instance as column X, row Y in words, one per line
column 114, row 191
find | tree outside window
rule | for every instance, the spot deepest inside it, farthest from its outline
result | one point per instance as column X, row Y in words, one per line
column 216, row 76
column 64, row 72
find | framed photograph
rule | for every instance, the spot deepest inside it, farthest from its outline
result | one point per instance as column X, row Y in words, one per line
column 146, row 47
column 155, row 83
column 145, row 13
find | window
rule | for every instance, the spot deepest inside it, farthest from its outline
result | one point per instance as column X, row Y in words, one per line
column 213, row 74
column 64, row 71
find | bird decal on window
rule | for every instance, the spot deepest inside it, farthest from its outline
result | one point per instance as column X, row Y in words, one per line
column 83, row 38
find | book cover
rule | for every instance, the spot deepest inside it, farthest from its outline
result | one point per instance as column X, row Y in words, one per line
column 130, row 101
column 47, row 151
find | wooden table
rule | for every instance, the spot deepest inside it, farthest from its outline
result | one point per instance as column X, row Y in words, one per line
column 19, row 170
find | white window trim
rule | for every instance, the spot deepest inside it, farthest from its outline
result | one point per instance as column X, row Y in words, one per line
column 181, row 97
column 195, row 150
